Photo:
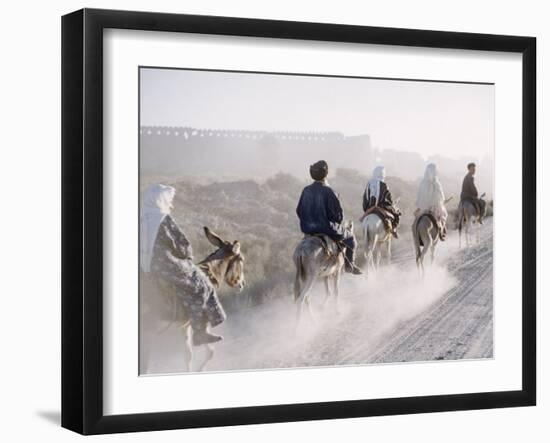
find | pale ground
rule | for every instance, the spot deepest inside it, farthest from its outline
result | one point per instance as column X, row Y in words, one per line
column 393, row 316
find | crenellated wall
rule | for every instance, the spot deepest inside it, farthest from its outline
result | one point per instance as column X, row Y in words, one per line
column 189, row 133
column 205, row 151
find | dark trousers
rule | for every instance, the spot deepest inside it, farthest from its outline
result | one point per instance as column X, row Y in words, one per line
column 350, row 244
column 476, row 202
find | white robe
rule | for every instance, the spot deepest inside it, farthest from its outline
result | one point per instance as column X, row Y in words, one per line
column 431, row 197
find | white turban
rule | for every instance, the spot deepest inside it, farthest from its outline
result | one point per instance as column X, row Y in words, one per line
column 378, row 176
column 157, row 204
column 430, row 173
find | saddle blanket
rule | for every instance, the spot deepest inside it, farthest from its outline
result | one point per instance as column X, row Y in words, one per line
column 333, row 254
column 386, row 216
column 331, row 247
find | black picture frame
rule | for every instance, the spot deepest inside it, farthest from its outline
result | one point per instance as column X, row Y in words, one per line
column 82, row 219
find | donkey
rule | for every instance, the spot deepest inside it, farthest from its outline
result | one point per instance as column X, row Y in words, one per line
column 425, row 236
column 226, row 263
column 316, row 257
column 376, row 236
column 467, row 216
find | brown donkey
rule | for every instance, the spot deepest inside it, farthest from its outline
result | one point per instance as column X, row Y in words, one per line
column 225, row 264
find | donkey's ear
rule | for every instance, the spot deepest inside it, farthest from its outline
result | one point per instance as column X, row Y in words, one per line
column 236, row 248
column 213, row 238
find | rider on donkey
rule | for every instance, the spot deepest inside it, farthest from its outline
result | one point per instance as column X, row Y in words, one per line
column 166, row 253
column 469, row 191
column 431, row 198
column 320, row 212
column 377, row 194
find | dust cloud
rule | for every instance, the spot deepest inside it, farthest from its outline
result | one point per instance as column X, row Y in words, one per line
column 267, row 337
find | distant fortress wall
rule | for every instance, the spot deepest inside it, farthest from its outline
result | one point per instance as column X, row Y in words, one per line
column 186, row 150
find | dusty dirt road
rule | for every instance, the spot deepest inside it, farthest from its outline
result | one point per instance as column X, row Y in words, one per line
column 393, row 316
column 458, row 325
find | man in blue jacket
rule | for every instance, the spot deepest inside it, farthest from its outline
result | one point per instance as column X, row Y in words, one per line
column 320, row 212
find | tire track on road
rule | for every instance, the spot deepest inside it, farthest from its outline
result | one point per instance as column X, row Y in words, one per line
column 458, row 326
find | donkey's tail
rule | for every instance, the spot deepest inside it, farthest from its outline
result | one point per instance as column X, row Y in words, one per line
column 370, row 242
column 300, row 275
column 368, row 239
column 461, row 217
column 416, row 239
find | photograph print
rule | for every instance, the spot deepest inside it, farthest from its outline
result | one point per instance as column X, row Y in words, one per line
column 294, row 221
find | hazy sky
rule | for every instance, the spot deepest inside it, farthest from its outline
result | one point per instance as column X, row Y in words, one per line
column 450, row 119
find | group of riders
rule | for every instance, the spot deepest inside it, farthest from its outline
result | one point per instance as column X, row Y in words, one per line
column 320, row 210
column 166, row 253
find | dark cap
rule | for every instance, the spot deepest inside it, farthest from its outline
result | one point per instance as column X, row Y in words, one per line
column 318, row 170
